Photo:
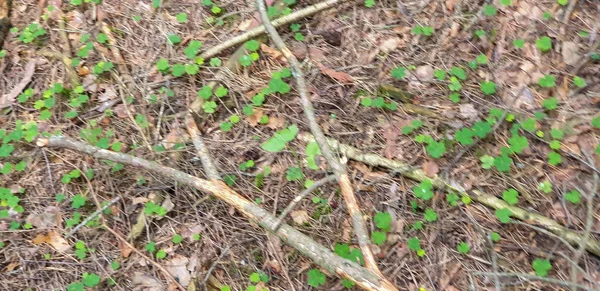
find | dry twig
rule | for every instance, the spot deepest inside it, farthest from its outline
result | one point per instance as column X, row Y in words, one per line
column 574, row 238
column 302, row 13
column 339, row 170
column 301, row 196
column 321, row 255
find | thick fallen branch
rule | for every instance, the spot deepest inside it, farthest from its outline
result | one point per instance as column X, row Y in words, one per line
column 295, row 16
column 339, row 170
column 592, row 245
column 321, row 255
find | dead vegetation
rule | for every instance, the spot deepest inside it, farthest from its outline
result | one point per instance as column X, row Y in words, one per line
column 414, row 162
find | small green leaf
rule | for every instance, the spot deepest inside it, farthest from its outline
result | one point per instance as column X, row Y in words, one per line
column 399, row 73
column 369, row 3
column 463, row 248
column 378, row 237
column 294, row 174
column 573, row 196
column 519, row 43
column 490, row 10
column 548, row 81
column 503, row 215
column 495, row 236
column 544, row 43
column 181, row 17
column 482, row 59
column 458, row 72
column 579, row 82
column 161, row 254
column 488, row 87
column 436, row 149
column 90, row 280
column 315, row 278
column 430, row 215
column 383, row 221
column 414, row 244
column 541, row 267
column 440, row 75
column 510, row 196
column 550, row 103
column 545, row 186
column 177, row 239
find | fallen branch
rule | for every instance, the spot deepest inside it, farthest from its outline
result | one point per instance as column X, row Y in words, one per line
column 203, row 154
column 574, row 238
column 358, row 223
column 321, row 255
column 302, row 13
column 8, row 99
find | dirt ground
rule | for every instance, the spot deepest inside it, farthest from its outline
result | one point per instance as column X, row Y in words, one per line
column 349, row 53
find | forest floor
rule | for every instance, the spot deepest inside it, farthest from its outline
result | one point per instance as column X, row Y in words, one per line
column 494, row 97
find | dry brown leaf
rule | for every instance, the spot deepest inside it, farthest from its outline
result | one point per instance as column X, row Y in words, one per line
column 425, row 73
column 271, row 52
column 48, row 218
column 431, row 168
column 300, row 217
column 177, row 267
column 390, row 44
column 58, row 242
column 276, row 122
column 39, row 239
column 10, row 267
column 468, row 111
column 145, row 282
column 109, row 93
column 121, row 110
column 125, row 249
column 339, row 76
column 255, row 117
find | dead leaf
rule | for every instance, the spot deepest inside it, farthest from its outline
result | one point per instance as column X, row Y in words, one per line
column 468, row 111
column 276, row 122
column 424, row 73
column 145, row 282
column 431, row 168
column 245, row 25
column 39, row 239
column 300, row 217
column 10, row 267
column 390, row 44
column 570, row 53
column 177, row 267
column 339, row 76
column 271, row 52
column 255, row 117
column 8, row 99
column 54, row 239
column 109, row 93
column 121, row 110
column 50, row 217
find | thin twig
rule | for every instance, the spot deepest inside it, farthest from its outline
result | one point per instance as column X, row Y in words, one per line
column 92, row 216
column 491, row 201
column 358, row 223
column 157, row 265
column 202, row 151
column 321, row 255
column 532, row 277
column 589, row 222
column 292, row 17
column 301, row 196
